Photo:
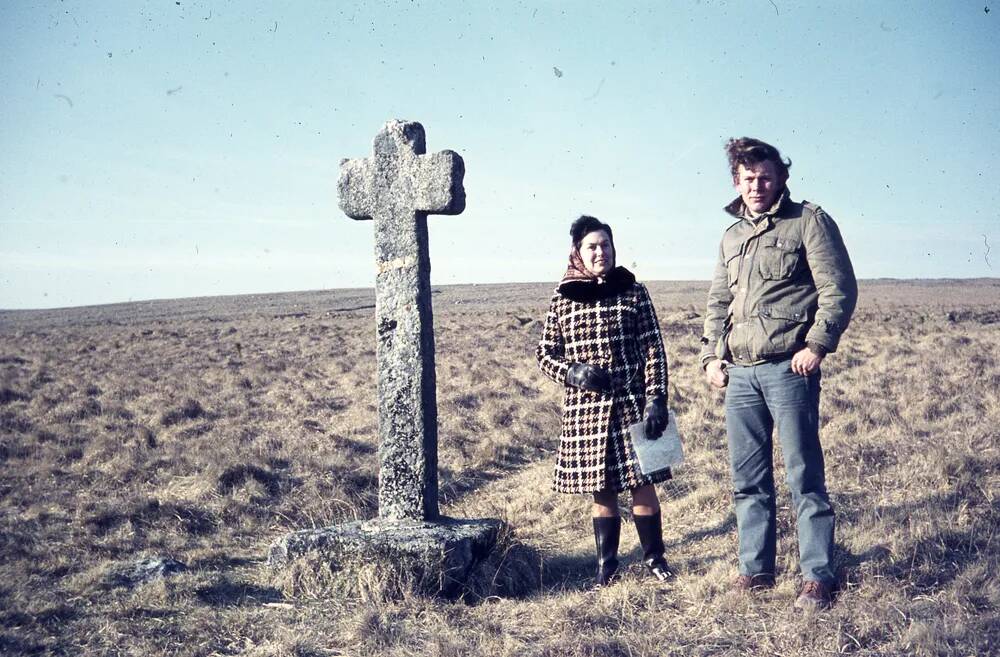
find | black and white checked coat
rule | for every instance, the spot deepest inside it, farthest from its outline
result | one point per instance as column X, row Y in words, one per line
column 621, row 334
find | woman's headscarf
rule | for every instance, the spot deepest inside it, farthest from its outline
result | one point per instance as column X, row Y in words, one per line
column 576, row 270
column 580, row 284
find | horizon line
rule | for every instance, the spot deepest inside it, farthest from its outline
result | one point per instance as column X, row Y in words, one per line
column 861, row 281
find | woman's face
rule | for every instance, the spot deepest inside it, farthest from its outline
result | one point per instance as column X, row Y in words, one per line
column 597, row 253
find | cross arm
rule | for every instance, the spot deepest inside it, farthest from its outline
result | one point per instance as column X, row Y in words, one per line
column 356, row 188
column 439, row 183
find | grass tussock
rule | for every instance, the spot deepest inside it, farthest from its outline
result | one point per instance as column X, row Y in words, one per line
column 201, row 430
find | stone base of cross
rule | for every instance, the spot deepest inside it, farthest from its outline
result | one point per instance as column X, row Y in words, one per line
column 442, row 558
column 397, row 188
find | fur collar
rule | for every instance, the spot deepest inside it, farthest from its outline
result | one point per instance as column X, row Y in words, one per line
column 617, row 281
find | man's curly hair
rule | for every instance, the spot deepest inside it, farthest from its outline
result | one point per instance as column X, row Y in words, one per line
column 749, row 151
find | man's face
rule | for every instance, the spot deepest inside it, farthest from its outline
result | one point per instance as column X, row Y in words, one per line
column 759, row 185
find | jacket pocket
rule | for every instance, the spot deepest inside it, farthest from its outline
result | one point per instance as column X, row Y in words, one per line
column 733, row 268
column 778, row 257
column 784, row 330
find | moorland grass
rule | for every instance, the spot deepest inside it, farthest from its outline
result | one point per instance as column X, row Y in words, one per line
column 202, row 430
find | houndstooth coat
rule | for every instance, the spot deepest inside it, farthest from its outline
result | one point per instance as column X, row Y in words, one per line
column 619, row 332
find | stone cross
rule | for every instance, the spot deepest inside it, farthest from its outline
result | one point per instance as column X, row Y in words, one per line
column 398, row 187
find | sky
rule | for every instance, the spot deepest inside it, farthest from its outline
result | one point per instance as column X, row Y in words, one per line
column 177, row 149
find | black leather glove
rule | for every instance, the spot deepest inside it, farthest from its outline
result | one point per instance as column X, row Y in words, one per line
column 656, row 417
column 588, row 377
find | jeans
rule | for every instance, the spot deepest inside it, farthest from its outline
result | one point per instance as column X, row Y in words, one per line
column 758, row 399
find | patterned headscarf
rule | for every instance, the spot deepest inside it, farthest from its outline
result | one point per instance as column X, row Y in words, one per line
column 576, row 270
column 580, row 284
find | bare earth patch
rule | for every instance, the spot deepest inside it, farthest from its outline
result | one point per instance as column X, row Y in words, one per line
column 201, row 429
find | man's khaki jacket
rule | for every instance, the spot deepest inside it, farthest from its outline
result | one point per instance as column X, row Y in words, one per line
column 780, row 282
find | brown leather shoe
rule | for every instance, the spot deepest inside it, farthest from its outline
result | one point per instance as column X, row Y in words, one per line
column 814, row 595
column 751, row 583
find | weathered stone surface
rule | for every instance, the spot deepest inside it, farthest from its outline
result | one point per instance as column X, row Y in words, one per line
column 410, row 544
column 146, row 570
column 400, row 178
column 398, row 187
column 435, row 557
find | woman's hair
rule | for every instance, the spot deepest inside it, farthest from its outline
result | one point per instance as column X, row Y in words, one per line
column 749, row 151
column 586, row 224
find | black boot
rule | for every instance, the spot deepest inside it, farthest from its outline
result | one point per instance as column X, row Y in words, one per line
column 650, row 533
column 606, row 534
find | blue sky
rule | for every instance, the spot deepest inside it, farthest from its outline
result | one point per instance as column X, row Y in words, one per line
column 175, row 149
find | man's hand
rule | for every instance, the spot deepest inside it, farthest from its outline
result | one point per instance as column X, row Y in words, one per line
column 716, row 375
column 806, row 361
column 656, row 417
column 588, row 377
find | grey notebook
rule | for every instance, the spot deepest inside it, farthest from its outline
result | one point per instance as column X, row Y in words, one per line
column 660, row 454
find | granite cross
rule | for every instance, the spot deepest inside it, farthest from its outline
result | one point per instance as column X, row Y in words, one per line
column 398, row 187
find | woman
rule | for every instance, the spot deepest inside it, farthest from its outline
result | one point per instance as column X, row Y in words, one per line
column 602, row 341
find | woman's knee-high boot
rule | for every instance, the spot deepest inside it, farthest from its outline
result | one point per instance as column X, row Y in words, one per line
column 650, row 532
column 607, row 531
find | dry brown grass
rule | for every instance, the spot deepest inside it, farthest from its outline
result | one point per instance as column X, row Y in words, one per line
column 203, row 429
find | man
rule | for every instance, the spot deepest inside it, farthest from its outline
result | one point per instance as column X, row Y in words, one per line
column 782, row 295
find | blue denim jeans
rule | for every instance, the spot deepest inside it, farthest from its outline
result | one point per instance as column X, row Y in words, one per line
column 759, row 399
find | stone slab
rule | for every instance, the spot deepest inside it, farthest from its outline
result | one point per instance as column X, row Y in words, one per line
column 436, row 557
column 146, row 570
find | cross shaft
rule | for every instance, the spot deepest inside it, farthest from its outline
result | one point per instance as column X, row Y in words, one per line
column 397, row 188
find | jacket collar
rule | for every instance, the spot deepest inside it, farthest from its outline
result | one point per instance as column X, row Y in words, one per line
column 617, row 281
column 739, row 209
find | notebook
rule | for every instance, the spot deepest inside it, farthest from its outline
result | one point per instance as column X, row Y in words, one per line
column 660, row 454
